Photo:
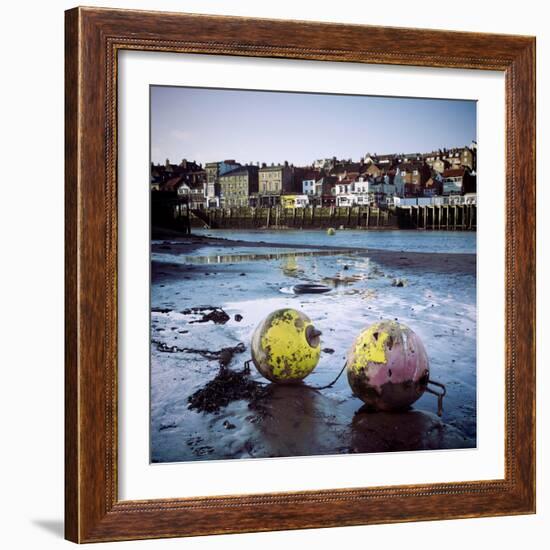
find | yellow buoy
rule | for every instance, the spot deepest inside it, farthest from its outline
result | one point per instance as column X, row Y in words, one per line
column 286, row 346
column 331, row 231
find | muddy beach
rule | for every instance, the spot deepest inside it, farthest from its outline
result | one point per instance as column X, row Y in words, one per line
column 209, row 292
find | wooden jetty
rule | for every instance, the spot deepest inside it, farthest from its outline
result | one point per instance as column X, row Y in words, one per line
column 175, row 213
column 447, row 217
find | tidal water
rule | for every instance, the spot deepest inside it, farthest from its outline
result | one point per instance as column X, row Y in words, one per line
column 398, row 240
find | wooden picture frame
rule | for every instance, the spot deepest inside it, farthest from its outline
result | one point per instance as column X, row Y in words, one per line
column 93, row 511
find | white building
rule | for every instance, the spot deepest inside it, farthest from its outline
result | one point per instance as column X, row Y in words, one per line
column 355, row 199
column 295, row 201
column 308, row 187
column 351, row 193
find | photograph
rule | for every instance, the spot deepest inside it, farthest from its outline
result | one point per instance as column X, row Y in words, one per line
column 313, row 274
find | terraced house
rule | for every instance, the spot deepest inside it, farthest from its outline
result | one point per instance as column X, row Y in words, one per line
column 237, row 185
column 413, row 176
column 274, row 181
column 213, row 172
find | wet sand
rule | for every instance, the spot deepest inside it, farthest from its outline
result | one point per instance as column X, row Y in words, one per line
column 209, row 293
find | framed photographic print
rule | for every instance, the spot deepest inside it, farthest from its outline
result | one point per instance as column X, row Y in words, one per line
column 300, row 275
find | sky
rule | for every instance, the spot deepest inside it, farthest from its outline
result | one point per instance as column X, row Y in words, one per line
column 207, row 125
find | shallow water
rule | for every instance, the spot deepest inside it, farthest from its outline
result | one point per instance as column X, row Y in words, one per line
column 248, row 284
column 410, row 241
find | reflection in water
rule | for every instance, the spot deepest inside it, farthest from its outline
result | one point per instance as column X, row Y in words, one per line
column 239, row 258
column 290, row 267
column 342, row 280
column 411, row 430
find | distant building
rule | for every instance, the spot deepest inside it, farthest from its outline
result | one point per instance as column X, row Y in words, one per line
column 308, row 186
column 385, row 161
column 343, row 187
column 324, row 164
column 433, row 186
column 461, row 157
column 194, row 191
column 347, row 169
column 184, row 179
column 326, row 182
column 458, row 181
column 171, row 185
column 353, row 191
column 236, row 186
column 194, row 194
column 213, row 172
column 273, row 181
column 413, row 176
column 467, row 158
column 439, row 165
column 355, row 199
column 382, row 187
column 294, row 200
column 374, row 171
column 189, row 170
column 325, row 191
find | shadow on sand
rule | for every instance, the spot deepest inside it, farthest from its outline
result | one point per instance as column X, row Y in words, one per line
column 411, row 430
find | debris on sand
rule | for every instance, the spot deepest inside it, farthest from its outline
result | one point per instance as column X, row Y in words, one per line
column 209, row 313
column 399, row 282
column 375, row 272
column 227, row 386
column 309, row 288
column 238, row 317
column 328, row 350
column 160, row 310
column 167, row 426
column 224, row 355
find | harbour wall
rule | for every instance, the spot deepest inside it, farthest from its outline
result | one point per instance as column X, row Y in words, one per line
column 433, row 217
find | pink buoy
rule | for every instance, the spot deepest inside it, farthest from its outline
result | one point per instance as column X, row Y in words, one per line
column 387, row 366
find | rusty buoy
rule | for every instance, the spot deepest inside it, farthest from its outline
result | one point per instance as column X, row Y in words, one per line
column 387, row 366
column 286, row 346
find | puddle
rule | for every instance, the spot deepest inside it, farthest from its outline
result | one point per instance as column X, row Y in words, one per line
column 262, row 256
